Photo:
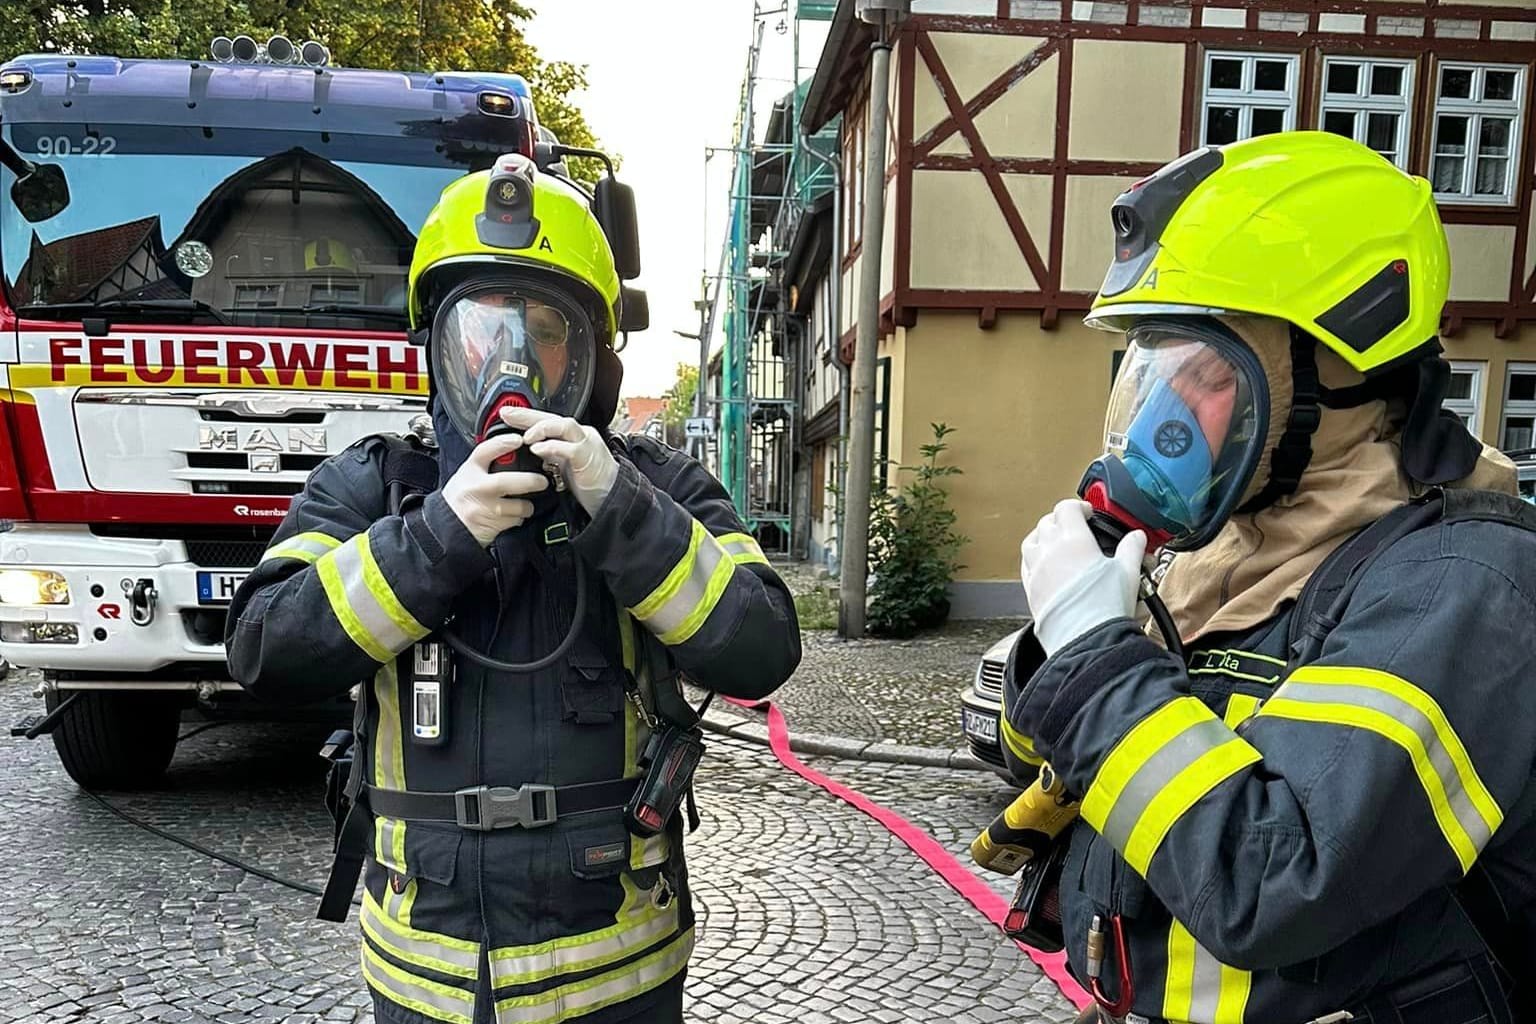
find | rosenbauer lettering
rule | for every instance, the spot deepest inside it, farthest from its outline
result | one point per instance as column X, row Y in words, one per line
column 262, row 362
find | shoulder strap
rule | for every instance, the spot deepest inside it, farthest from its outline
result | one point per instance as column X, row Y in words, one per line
column 409, row 468
column 1326, row 593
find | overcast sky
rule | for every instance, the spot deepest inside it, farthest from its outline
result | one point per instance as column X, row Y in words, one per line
column 665, row 83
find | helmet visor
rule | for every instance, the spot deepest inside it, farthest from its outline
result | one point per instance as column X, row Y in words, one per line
column 493, row 339
column 1186, row 421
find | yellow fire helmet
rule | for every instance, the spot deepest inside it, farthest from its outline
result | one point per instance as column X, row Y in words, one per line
column 517, row 219
column 1308, row 227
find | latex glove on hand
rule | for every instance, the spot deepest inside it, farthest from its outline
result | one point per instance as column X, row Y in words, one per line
column 1072, row 588
column 488, row 503
column 578, row 452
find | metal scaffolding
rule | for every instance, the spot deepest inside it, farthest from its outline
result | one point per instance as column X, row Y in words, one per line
column 755, row 403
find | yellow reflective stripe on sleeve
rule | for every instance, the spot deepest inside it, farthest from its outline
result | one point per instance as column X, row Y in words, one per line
column 528, row 965
column 1402, row 713
column 445, row 954
column 742, row 549
column 306, row 547
column 430, row 998
column 389, row 765
column 1164, row 766
column 678, row 608
column 363, row 602
column 1018, row 743
column 1240, row 708
column 1200, row 989
column 583, row 997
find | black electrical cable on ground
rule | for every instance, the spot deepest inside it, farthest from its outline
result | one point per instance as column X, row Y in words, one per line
column 213, row 854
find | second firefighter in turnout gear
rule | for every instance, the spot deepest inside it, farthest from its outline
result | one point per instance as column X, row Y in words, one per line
column 1322, row 809
column 510, row 873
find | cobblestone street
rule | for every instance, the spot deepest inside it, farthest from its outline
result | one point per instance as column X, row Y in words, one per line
column 809, row 911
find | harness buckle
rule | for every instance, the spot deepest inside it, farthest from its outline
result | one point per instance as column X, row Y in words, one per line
column 485, row 808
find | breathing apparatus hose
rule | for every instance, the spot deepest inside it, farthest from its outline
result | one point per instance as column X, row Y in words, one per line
column 578, row 616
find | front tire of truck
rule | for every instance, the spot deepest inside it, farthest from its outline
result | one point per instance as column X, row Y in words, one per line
column 112, row 740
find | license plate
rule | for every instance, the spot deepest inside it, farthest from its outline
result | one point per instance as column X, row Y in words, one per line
column 983, row 727
column 218, row 587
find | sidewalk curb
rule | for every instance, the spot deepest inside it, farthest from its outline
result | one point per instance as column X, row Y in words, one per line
column 841, row 746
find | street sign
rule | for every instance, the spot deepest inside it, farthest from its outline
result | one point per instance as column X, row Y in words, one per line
column 700, row 426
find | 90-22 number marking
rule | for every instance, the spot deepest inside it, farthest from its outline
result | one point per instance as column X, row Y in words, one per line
column 90, row 145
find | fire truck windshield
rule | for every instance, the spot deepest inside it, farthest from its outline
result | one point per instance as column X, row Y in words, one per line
column 258, row 227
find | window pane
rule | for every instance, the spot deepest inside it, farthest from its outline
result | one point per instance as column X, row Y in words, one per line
column 1221, row 125
column 1267, row 121
column 1450, row 134
column 1517, row 432
column 1492, row 176
column 1386, row 80
column 1456, row 83
column 1493, row 137
column 1381, row 132
column 1340, row 122
column 1522, row 387
column 1271, row 75
column 1448, row 171
column 1498, row 85
column 1226, row 73
column 1461, row 385
column 1344, row 79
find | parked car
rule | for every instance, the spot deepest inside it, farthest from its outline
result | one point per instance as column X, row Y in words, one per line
column 980, row 705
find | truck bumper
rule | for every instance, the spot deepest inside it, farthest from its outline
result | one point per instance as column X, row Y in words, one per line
column 133, row 605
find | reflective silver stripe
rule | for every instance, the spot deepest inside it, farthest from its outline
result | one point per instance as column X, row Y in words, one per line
column 432, row 998
column 605, row 990
column 389, row 765
column 527, row 965
column 1155, row 774
column 423, row 949
column 306, row 547
column 1461, row 806
column 688, row 600
column 1200, row 989
column 362, row 612
column 742, row 549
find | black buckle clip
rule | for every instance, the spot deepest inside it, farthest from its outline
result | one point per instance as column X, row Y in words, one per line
column 484, row 808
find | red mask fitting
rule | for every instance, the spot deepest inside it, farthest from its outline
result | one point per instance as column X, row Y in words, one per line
column 492, row 425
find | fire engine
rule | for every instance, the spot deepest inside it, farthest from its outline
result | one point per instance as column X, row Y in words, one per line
column 204, row 274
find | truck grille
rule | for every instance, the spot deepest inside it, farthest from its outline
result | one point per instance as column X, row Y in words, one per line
column 225, row 554
column 990, row 682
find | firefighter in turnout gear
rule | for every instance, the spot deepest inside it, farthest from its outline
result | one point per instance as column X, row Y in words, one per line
column 1314, row 802
column 521, row 595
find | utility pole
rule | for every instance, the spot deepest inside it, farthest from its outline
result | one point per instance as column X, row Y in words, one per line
column 885, row 16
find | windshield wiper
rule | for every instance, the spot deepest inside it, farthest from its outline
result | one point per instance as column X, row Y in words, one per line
column 127, row 306
column 334, row 309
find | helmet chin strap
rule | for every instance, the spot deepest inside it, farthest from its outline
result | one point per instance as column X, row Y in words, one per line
column 1293, row 453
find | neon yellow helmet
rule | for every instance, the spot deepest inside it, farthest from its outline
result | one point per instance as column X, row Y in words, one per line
column 1307, row 227
column 526, row 221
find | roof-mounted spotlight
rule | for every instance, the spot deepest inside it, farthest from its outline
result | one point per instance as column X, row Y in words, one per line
column 222, row 49
column 314, row 54
column 245, row 49
column 280, row 50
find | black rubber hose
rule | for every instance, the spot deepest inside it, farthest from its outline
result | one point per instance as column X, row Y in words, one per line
column 458, row 643
column 1165, row 624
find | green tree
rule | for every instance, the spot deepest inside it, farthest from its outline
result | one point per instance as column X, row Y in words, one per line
column 432, row 35
column 679, row 405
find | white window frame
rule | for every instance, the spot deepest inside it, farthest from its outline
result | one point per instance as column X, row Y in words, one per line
column 1363, row 104
column 1246, row 98
column 1523, row 408
column 1474, row 110
column 1469, row 408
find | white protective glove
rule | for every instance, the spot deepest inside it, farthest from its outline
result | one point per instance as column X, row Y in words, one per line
column 1072, row 588
column 578, row 452
column 488, row 503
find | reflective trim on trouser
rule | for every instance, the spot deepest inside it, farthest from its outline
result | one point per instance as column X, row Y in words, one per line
column 445, row 954
column 1164, row 766
column 529, row 965
column 363, row 602
column 649, row 851
column 678, row 608
column 389, row 766
column 431, row 998
column 306, row 547
column 742, row 549
column 617, row 986
column 1405, row 715
column 1200, row 988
